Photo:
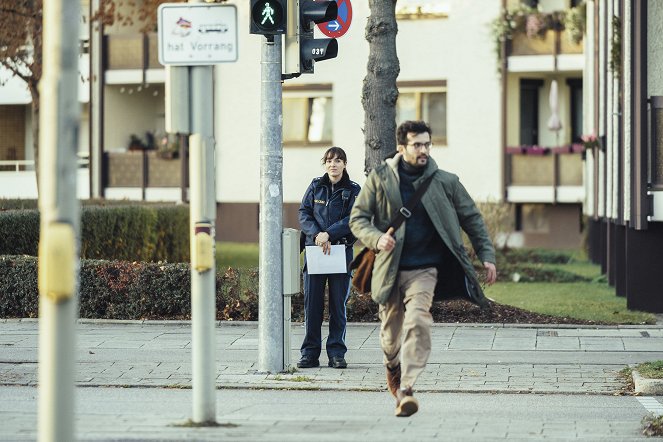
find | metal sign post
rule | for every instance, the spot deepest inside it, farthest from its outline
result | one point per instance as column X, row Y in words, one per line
column 192, row 37
column 58, row 263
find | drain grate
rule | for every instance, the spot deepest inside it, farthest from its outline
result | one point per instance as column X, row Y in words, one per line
column 644, row 334
column 546, row 333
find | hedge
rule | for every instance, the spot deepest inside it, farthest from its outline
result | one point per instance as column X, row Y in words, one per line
column 140, row 233
column 142, row 291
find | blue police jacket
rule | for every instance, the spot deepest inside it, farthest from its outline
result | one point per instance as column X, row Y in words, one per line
column 327, row 210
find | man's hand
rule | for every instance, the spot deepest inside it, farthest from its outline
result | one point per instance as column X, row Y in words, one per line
column 387, row 242
column 491, row 272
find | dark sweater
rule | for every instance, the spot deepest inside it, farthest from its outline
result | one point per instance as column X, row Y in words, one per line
column 423, row 247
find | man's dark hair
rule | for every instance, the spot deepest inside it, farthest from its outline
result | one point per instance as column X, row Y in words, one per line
column 414, row 126
column 334, row 152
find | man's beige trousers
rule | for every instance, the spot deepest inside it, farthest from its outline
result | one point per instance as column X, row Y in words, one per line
column 407, row 314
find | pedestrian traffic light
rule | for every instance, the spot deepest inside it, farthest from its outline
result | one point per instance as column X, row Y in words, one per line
column 268, row 17
column 302, row 50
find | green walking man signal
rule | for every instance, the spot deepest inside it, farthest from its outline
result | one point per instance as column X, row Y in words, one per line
column 268, row 17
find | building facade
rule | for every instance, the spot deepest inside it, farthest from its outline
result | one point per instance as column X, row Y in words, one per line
column 488, row 109
column 624, row 168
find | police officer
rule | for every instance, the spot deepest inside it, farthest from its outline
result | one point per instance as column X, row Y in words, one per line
column 323, row 218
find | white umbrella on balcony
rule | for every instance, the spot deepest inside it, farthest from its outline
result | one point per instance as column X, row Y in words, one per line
column 553, row 123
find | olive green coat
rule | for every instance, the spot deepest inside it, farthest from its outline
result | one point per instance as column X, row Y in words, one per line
column 449, row 207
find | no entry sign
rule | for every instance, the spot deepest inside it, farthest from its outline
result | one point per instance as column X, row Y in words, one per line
column 337, row 28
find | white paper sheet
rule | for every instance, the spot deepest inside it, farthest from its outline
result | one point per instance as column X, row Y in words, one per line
column 318, row 263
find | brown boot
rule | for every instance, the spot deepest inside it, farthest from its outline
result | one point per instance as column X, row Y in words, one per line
column 406, row 404
column 394, row 379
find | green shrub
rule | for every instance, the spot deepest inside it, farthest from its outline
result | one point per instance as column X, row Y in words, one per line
column 132, row 233
column 129, row 290
column 18, row 287
column 139, row 290
column 19, row 232
column 537, row 256
column 536, row 273
column 17, row 204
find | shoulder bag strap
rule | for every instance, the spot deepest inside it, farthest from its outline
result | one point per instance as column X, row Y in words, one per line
column 406, row 211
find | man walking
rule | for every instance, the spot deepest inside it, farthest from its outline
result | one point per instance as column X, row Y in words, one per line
column 423, row 257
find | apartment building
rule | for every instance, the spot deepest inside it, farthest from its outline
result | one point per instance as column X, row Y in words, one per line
column 488, row 109
column 624, row 167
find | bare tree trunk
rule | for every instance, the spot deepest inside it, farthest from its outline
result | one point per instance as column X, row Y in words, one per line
column 33, row 82
column 35, row 133
column 379, row 93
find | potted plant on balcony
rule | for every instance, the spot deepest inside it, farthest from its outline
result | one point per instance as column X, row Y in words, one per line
column 135, row 143
column 574, row 22
column 169, row 146
column 589, row 142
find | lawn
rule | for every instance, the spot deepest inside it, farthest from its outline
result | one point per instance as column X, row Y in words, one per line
column 236, row 254
column 581, row 300
column 593, row 300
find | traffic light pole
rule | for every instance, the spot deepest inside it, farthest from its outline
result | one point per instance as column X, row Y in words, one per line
column 270, row 314
column 58, row 263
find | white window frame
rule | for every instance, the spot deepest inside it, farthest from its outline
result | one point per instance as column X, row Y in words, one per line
column 422, row 9
column 419, row 89
column 307, row 92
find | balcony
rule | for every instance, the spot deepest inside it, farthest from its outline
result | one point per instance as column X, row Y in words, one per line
column 143, row 175
column 538, row 174
column 538, row 41
column 132, row 58
column 521, row 44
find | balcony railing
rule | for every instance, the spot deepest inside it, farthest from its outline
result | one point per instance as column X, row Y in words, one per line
column 547, row 169
column 27, row 165
column 142, row 169
column 132, row 51
column 521, row 44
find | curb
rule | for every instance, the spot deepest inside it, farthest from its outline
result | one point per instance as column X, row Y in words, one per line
column 175, row 322
column 647, row 386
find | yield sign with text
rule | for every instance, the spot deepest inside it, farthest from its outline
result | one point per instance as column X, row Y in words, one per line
column 337, row 28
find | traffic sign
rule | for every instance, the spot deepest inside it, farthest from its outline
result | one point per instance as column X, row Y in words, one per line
column 197, row 33
column 337, row 28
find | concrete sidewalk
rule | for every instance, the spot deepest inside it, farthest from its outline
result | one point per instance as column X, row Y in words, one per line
column 465, row 358
column 572, row 373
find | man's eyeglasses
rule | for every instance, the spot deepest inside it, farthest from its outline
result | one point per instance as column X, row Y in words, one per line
column 418, row 146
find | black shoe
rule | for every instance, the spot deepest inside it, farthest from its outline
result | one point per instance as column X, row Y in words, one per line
column 308, row 362
column 337, row 362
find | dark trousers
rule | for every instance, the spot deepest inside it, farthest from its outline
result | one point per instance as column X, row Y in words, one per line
column 314, row 304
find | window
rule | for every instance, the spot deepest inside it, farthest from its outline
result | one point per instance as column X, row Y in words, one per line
column 424, row 101
column 307, row 115
column 529, row 111
column 413, row 9
column 532, row 218
column 575, row 89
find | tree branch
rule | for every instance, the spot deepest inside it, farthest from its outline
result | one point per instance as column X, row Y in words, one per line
column 9, row 11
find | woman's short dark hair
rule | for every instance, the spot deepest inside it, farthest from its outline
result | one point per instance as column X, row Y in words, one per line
column 334, row 152
column 411, row 126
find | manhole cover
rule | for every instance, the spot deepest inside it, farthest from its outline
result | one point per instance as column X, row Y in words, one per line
column 546, row 333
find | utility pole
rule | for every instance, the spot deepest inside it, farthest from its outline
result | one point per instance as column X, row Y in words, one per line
column 272, row 19
column 270, row 311
column 59, row 213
